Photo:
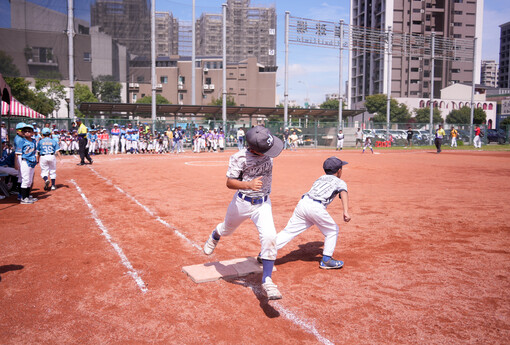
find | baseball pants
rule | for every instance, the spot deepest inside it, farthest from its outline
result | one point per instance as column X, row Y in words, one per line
column 114, row 145
column 454, row 142
column 340, row 144
column 306, row 214
column 261, row 215
column 477, row 142
column 9, row 171
column 84, row 151
column 123, row 145
column 48, row 166
column 27, row 174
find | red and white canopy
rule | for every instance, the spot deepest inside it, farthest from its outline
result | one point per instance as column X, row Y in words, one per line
column 18, row 109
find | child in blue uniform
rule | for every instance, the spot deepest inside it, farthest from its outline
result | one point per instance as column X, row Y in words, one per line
column 47, row 148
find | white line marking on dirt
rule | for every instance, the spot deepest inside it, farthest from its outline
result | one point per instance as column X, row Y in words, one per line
column 208, row 163
column 307, row 326
column 149, row 211
column 131, row 271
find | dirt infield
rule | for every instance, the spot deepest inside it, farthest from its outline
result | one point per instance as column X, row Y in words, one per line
column 98, row 261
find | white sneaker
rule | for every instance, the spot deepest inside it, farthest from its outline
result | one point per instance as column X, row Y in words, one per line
column 271, row 290
column 32, row 198
column 210, row 245
column 26, row 201
column 53, row 187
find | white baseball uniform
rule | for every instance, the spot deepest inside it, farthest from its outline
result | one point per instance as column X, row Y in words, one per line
column 311, row 210
column 248, row 203
column 340, row 140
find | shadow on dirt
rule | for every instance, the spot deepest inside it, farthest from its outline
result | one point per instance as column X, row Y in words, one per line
column 8, row 268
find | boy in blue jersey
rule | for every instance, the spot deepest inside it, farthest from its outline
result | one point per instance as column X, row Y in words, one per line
column 47, row 148
column 27, row 164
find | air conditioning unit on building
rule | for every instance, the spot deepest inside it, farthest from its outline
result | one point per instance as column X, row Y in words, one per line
column 206, row 69
column 181, row 102
column 159, row 86
column 211, row 86
column 206, row 86
column 180, row 86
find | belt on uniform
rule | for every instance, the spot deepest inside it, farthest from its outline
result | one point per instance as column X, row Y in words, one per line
column 320, row 202
column 253, row 201
column 48, row 154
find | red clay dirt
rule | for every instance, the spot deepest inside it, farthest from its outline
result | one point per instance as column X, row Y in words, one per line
column 427, row 256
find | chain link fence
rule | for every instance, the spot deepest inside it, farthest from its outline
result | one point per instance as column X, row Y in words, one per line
column 312, row 133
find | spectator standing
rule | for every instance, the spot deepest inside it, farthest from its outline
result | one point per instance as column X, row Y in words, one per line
column 440, row 133
column 478, row 135
column 3, row 133
column 410, row 134
column 286, row 135
column 240, row 139
column 293, row 138
column 454, row 134
column 359, row 138
column 82, row 142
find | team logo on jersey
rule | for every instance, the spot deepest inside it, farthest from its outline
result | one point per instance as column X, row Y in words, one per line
column 270, row 140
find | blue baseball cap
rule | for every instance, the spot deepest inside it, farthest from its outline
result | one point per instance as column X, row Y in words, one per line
column 28, row 126
column 332, row 165
column 21, row 125
column 46, row 131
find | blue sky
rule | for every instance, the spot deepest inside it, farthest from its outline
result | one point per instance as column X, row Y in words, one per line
column 312, row 71
column 315, row 71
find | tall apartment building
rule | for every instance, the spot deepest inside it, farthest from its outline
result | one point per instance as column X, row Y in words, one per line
column 489, row 73
column 126, row 21
column 410, row 76
column 251, row 31
column 167, row 34
column 504, row 56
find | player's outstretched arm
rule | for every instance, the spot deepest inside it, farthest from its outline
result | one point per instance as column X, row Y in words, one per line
column 255, row 184
column 345, row 204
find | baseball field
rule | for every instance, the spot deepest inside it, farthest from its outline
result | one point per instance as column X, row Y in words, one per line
column 99, row 260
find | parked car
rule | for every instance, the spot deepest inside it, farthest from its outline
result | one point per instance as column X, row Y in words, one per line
column 496, row 135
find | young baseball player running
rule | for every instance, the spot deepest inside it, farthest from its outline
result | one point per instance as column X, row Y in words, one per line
column 250, row 174
column 48, row 148
column 311, row 210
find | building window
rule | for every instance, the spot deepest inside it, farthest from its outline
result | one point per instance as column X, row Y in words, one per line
column 140, row 79
column 457, row 24
column 181, row 80
column 86, row 57
column 208, row 81
column 163, row 79
column 490, row 106
column 134, row 97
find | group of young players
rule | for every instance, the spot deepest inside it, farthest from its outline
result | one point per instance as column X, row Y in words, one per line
column 212, row 140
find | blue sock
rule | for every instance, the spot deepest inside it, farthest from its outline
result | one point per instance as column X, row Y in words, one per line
column 267, row 269
column 45, row 178
column 326, row 258
column 215, row 235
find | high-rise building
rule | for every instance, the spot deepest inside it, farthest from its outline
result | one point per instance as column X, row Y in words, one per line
column 504, row 56
column 410, row 75
column 167, row 34
column 127, row 21
column 489, row 73
column 251, row 31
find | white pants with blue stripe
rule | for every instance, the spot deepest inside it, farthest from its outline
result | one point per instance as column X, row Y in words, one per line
column 261, row 215
column 306, row 214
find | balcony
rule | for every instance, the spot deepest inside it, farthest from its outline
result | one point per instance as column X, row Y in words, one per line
column 134, row 86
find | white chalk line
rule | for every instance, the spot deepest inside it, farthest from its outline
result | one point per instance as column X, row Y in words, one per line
column 207, row 163
column 306, row 326
column 131, row 271
column 149, row 211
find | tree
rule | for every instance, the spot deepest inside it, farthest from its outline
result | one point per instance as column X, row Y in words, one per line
column 82, row 94
column 20, row 89
column 106, row 89
column 148, row 100
column 53, row 90
column 7, row 66
column 505, row 124
column 331, row 104
column 219, row 101
column 376, row 104
column 463, row 116
column 423, row 115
